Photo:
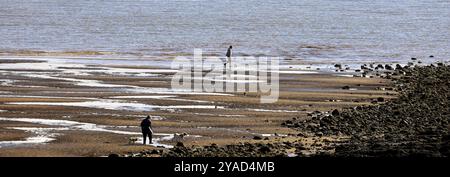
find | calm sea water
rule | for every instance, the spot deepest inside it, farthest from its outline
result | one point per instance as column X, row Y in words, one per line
column 319, row 30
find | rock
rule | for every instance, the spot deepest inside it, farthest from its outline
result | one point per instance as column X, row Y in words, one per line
column 388, row 67
column 363, row 67
column 431, row 56
column 398, row 67
column 380, row 66
column 380, row 99
column 301, row 134
column 339, row 66
column 346, row 87
column 335, row 112
column 179, row 144
column 264, row 149
column 257, row 138
column 113, row 155
column 413, row 58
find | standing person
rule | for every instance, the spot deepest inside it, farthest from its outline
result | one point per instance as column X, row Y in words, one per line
column 229, row 55
column 146, row 126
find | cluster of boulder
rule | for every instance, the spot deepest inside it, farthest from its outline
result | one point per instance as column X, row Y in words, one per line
column 381, row 70
column 276, row 149
column 416, row 123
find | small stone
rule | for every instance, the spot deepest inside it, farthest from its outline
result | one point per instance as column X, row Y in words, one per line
column 338, row 66
column 301, row 135
column 257, row 138
column 113, row 155
column 264, row 149
column 335, row 112
column 179, row 144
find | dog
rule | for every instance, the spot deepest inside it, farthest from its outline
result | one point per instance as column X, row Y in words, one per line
column 179, row 137
column 132, row 140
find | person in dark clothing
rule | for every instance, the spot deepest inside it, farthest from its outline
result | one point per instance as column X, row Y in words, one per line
column 228, row 55
column 146, row 126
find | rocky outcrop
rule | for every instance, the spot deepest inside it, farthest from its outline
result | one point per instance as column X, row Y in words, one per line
column 416, row 123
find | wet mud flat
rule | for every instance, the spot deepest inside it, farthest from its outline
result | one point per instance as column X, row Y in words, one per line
column 62, row 107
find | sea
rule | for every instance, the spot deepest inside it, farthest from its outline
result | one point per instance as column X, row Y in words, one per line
column 297, row 30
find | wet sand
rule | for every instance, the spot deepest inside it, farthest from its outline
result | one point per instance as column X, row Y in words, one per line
column 115, row 97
